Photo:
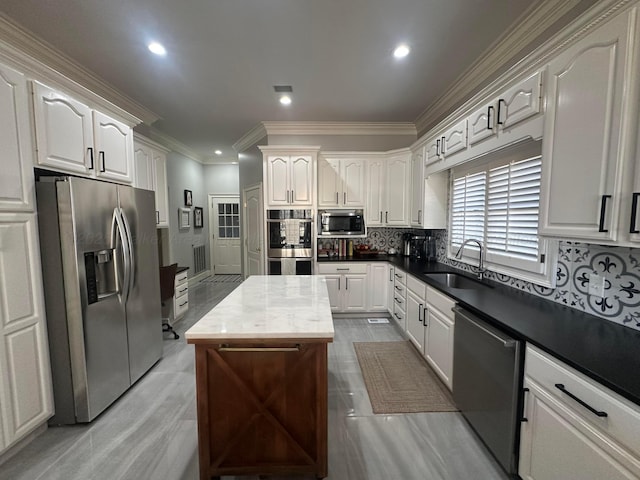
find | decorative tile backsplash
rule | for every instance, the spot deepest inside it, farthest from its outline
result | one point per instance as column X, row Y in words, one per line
column 577, row 263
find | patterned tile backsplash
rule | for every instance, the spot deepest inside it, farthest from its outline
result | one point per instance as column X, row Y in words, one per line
column 577, row 263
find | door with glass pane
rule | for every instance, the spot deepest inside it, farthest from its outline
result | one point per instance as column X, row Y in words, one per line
column 224, row 216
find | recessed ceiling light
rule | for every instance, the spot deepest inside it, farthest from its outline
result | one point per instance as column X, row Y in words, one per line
column 401, row 51
column 218, row 152
column 285, row 100
column 155, row 47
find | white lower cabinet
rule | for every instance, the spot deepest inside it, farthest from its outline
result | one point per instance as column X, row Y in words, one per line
column 181, row 295
column 347, row 285
column 562, row 438
column 25, row 374
column 399, row 298
column 438, row 340
column 377, row 286
column 416, row 303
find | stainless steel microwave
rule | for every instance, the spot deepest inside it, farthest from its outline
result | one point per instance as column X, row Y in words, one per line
column 341, row 223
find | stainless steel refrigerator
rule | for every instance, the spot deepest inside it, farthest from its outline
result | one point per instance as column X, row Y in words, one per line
column 102, row 291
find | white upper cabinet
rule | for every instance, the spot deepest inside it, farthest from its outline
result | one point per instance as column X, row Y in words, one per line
column 397, row 189
column 341, row 182
column 289, row 180
column 447, row 143
column 150, row 168
column 16, row 180
column 417, row 187
column 584, row 134
column 517, row 103
column 72, row 138
column 375, row 192
column 428, row 195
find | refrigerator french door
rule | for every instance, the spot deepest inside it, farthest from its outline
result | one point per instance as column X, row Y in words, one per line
column 102, row 291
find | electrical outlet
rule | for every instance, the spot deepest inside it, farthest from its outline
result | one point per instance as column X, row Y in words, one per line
column 596, row 285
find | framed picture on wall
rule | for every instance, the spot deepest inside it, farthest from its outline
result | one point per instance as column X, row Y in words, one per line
column 184, row 217
column 197, row 217
column 188, row 198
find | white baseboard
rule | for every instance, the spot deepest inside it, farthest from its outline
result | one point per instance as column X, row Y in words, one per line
column 198, row 278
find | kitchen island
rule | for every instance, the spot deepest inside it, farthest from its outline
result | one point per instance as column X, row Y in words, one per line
column 261, row 378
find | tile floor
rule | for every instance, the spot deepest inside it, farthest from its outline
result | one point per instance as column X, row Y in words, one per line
column 150, row 432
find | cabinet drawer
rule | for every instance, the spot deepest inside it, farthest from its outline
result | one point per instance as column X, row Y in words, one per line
column 342, row 268
column 181, row 290
column 398, row 312
column 181, row 306
column 399, row 290
column 440, row 301
column 400, row 300
column 181, row 278
column 622, row 422
column 400, row 276
column 416, row 286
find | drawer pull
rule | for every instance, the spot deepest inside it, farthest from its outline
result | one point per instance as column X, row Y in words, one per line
column 398, row 288
column 184, row 290
column 183, row 304
column 260, row 349
column 342, row 269
column 397, row 300
column 399, row 276
column 599, row 413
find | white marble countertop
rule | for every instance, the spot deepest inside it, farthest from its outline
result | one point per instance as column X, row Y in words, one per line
column 270, row 307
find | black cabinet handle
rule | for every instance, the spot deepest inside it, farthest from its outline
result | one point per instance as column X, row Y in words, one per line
column 525, row 391
column 634, row 213
column 424, row 316
column 489, row 110
column 438, row 147
column 442, row 146
column 102, row 165
column 157, row 217
column 419, row 310
column 500, row 102
column 603, row 209
column 599, row 413
column 90, row 157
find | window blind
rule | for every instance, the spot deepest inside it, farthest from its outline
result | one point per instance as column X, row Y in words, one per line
column 468, row 208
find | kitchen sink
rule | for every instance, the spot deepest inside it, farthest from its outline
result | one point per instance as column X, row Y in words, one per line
column 454, row 280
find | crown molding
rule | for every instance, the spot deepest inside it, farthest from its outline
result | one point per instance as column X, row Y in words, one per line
column 293, row 148
column 138, row 137
column 174, row 145
column 39, row 59
column 340, row 128
column 599, row 13
column 250, row 138
column 522, row 32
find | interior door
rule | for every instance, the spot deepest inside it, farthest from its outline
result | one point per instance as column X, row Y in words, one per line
column 252, row 231
column 224, row 213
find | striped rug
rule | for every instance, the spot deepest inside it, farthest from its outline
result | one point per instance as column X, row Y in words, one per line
column 224, row 279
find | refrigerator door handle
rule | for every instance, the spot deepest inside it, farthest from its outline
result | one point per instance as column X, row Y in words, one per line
column 131, row 265
column 124, row 286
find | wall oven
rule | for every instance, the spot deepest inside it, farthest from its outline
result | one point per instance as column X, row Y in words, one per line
column 289, row 239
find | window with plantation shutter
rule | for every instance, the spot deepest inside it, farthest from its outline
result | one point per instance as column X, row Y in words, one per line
column 498, row 202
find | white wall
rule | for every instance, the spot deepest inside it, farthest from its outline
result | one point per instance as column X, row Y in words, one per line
column 222, row 179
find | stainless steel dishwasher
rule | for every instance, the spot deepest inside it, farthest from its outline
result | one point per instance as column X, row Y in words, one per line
column 487, row 379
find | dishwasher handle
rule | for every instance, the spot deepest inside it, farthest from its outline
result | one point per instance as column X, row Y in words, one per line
column 507, row 342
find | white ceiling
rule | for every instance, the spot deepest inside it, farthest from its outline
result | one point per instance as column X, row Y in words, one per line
column 224, row 56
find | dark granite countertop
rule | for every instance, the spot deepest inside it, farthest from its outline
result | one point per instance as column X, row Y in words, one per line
column 181, row 269
column 603, row 350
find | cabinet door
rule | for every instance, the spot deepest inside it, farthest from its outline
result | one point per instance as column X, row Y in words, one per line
column 417, row 188
column 520, row 101
column 114, row 145
column 376, row 201
column 582, row 135
column 482, row 123
column 277, row 180
column 415, row 327
column 162, row 197
column 378, row 279
column 16, row 192
column 439, row 344
column 64, row 132
column 329, row 182
column 454, row 140
column 301, row 180
column 432, row 151
column 25, row 376
column 355, row 293
column 143, row 167
column 353, row 177
column 397, row 189
column 552, row 446
column 333, row 287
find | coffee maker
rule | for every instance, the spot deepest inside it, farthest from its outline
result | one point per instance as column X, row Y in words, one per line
column 422, row 247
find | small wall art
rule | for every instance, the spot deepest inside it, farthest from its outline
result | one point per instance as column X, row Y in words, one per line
column 184, row 218
column 197, row 217
column 188, row 198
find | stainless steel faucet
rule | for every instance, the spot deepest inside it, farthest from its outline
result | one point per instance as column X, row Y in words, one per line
column 481, row 268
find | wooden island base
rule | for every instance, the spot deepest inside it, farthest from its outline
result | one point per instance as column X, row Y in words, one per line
column 262, row 407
